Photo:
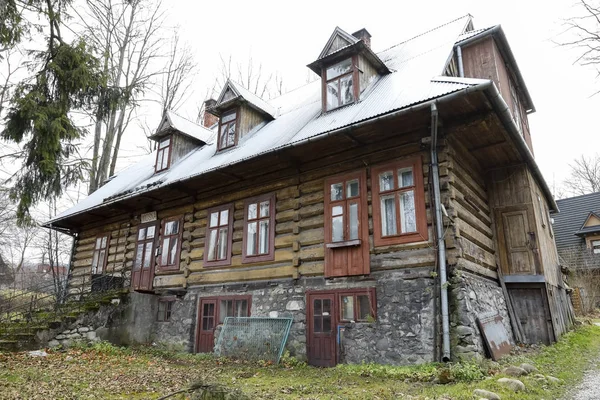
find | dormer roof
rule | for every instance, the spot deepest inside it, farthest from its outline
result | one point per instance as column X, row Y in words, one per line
column 234, row 93
column 341, row 44
column 172, row 121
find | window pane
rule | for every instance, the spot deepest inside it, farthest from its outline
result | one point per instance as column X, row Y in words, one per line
column 159, row 158
column 161, row 311
column 150, row 232
column 165, row 158
column 142, row 234
column 173, row 250
column 327, row 324
column 353, row 220
column 317, row 307
column 364, row 307
column 332, row 95
column 264, row 209
column 251, row 239
column 147, row 256
column 252, row 211
column 388, row 216
column 222, row 243
column 231, row 134
column 241, row 308
column 228, row 117
column 171, row 227
column 352, row 188
column 264, row 237
column 104, row 241
column 347, row 92
column 138, row 256
column 339, row 68
column 101, row 259
column 326, row 307
column 214, row 219
column 95, row 263
column 386, row 181
column 337, row 228
column 164, row 143
column 347, row 308
column 224, row 218
column 405, row 177
column 223, row 142
column 317, row 324
column 164, row 253
column 98, row 243
column 212, row 245
column 337, row 210
column 408, row 218
column 337, row 192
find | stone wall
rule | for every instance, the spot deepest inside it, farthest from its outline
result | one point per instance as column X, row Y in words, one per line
column 470, row 296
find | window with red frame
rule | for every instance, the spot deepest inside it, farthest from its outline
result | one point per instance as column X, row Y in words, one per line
column 339, row 84
column 357, row 305
column 170, row 243
column 228, row 130
column 259, row 229
column 100, row 256
column 163, row 155
column 399, row 203
column 217, row 250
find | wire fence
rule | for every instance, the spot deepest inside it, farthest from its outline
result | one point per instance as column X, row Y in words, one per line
column 253, row 338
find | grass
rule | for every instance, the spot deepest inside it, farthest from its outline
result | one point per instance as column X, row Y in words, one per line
column 107, row 372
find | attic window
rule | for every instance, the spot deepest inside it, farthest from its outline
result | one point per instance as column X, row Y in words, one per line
column 339, row 84
column 163, row 155
column 227, row 130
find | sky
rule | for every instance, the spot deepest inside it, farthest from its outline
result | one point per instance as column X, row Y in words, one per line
column 286, row 36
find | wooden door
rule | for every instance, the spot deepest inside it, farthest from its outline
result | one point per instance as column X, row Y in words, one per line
column 531, row 307
column 142, row 274
column 322, row 327
column 517, row 241
column 207, row 322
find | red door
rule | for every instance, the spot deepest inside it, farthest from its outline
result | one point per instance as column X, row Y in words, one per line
column 206, row 325
column 322, row 324
column 142, row 275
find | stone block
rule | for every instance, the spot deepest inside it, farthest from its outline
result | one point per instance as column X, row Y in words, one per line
column 513, row 384
column 485, row 394
column 294, row 305
column 83, row 329
column 53, row 343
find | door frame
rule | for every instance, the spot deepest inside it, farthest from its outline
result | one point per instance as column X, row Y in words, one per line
column 310, row 296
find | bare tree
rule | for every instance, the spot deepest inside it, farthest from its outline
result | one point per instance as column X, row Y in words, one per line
column 585, row 175
column 583, row 30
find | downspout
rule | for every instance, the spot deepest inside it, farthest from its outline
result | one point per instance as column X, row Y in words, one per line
column 439, row 229
column 461, row 71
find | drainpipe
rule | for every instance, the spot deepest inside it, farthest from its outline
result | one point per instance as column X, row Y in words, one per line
column 461, row 71
column 439, row 229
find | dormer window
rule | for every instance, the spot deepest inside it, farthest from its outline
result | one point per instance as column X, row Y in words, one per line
column 163, row 155
column 340, row 84
column 227, row 130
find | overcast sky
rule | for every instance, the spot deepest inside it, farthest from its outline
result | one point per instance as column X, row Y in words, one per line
column 286, row 36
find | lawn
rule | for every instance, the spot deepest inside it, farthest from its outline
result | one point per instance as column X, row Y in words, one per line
column 107, row 372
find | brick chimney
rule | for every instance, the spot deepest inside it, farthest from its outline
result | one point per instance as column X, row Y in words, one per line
column 209, row 119
column 364, row 35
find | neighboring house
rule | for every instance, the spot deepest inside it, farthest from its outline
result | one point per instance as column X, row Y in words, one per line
column 322, row 205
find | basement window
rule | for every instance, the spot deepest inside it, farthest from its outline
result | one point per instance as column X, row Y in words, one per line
column 357, row 305
column 339, row 84
column 163, row 155
column 165, row 307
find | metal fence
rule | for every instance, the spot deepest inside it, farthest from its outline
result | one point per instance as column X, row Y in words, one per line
column 253, row 338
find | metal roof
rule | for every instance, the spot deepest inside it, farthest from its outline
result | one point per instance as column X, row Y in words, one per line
column 185, row 126
column 573, row 213
column 247, row 95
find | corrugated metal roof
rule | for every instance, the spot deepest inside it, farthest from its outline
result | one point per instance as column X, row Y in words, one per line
column 416, row 65
column 473, row 33
column 573, row 213
column 190, row 128
column 253, row 99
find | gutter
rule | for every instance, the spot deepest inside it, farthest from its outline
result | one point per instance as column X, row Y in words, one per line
column 439, row 230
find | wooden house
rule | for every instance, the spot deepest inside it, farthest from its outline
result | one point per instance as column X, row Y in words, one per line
column 379, row 207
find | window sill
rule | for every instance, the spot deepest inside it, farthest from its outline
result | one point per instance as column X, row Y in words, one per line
column 347, row 243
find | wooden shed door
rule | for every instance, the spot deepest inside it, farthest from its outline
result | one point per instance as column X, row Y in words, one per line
column 531, row 306
column 207, row 323
column 322, row 324
column 518, row 242
column 142, row 275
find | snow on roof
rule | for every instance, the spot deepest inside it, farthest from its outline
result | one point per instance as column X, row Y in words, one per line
column 250, row 97
column 416, row 65
column 189, row 128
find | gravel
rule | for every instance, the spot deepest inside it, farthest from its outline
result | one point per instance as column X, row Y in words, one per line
column 589, row 388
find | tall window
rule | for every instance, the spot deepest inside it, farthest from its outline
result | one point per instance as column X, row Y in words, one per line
column 145, row 247
column 170, row 243
column 100, row 254
column 339, row 84
column 259, row 229
column 399, row 203
column 217, row 250
column 344, row 209
column 227, row 130
column 516, row 107
column 163, row 155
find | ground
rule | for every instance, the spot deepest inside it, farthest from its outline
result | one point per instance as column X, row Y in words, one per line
column 107, row 372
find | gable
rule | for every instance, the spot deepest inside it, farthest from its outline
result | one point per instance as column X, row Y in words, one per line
column 227, row 95
column 592, row 220
column 338, row 40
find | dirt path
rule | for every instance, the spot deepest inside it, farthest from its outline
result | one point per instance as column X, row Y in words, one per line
column 589, row 388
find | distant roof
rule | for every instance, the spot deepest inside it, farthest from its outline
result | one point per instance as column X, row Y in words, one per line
column 185, row 126
column 573, row 213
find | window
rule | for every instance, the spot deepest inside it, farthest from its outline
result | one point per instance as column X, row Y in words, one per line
column 595, row 246
column 259, row 229
column 399, row 203
column 516, row 107
column 233, row 307
column 170, row 243
column 227, row 130
column 357, row 305
column 165, row 307
column 142, row 273
column 542, row 211
column 163, row 155
column 339, row 84
column 100, row 254
column 218, row 236
column 344, row 210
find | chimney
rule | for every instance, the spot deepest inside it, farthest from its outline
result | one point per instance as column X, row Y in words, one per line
column 364, row 35
column 209, row 119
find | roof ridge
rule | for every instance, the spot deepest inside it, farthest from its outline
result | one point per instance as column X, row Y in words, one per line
column 428, row 31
